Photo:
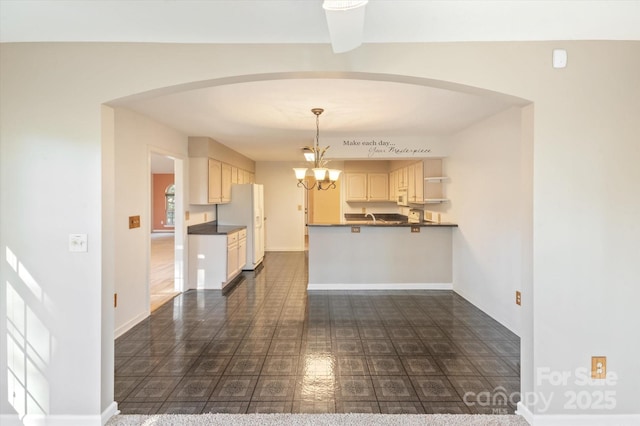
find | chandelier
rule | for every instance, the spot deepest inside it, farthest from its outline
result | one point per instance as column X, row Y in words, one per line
column 324, row 178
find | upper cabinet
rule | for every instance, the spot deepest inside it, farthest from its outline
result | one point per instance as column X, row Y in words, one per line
column 210, row 180
column 213, row 168
column 393, row 186
column 205, row 176
column 403, row 178
column 415, row 183
column 423, row 181
column 378, row 186
column 225, row 182
column 356, row 186
column 367, row 186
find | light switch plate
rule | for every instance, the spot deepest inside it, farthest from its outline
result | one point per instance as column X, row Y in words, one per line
column 559, row 58
column 355, row 229
column 78, row 242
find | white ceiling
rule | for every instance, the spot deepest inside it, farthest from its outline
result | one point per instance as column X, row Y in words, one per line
column 270, row 120
column 303, row 21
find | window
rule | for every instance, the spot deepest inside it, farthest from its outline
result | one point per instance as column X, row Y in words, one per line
column 170, row 205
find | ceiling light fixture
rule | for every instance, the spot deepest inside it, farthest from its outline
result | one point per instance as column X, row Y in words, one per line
column 345, row 19
column 323, row 175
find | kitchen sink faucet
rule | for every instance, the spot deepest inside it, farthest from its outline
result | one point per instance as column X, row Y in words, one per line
column 372, row 217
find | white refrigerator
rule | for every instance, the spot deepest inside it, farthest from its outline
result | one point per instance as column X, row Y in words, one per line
column 247, row 208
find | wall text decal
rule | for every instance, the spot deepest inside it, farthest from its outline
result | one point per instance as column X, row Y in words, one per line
column 385, row 148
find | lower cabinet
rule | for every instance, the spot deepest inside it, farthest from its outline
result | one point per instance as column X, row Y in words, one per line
column 242, row 249
column 232, row 256
column 215, row 260
column 236, row 253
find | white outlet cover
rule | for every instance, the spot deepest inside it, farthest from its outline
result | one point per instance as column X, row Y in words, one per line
column 77, row 242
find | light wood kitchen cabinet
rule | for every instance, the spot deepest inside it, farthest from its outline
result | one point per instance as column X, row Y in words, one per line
column 205, row 181
column 234, row 174
column 247, row 177
column 226, row 182
column 232, row 255
column 356, row 186
column 424, row 182
column 411, row 184
column 415, row 183
column 242, row 249
column 210, row 180
column 377, row 187
column 236, row 253
column 393, row 186
column 215, row 181
column 403, row 177
column 367, row 186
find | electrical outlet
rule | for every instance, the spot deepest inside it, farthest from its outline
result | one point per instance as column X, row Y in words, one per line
column 415, row 229
column 186, row 215
column 518, row 298
column 598, row 367
column 355, row 229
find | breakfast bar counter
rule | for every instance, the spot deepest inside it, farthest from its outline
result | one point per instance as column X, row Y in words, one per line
column 363, row 255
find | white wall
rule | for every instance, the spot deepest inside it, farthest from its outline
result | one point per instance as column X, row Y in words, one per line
column 283, row 206
column 135, row 137
column 485, row 192
column 585, row 175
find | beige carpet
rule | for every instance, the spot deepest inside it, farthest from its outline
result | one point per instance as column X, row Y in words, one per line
column 317, row 419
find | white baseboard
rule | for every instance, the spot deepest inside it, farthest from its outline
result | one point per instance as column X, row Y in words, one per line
column 577, row 419
column 10, row 420
column 60, row 420
column 381, row 286
column 523, row 411
column 130, row 324
column 50, row 420
column 109, row 412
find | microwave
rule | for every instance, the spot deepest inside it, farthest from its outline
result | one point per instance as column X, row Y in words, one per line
column 403, row 199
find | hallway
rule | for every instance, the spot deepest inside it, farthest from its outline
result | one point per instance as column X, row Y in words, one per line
column 270, row 346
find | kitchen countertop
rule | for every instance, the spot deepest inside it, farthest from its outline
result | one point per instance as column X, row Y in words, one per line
column 212, row 228
column 387, row 224
column 386, row 220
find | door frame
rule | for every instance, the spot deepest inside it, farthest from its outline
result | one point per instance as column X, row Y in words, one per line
column 179, row 228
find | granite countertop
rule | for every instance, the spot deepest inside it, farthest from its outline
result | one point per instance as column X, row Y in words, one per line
column 212, row 228
column 386, row 225
column 382, row 219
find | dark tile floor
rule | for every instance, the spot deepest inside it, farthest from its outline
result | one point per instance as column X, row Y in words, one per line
column 268, row 345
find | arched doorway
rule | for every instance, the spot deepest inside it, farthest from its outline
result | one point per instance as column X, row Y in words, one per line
column 389, row 78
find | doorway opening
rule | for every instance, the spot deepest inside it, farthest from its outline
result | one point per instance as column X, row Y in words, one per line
column 321, row 206
column 162, row 250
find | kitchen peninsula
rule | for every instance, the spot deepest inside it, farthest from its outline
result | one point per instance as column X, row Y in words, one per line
column 380, row 255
